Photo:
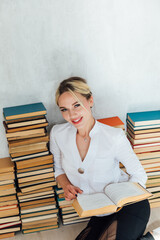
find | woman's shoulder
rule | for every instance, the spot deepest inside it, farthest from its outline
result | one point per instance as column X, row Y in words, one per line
column 106, row 129
column 59, row 128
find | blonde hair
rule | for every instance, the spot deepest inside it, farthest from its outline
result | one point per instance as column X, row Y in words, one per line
column 73, row 84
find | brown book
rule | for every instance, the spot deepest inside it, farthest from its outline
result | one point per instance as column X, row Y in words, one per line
column 7, row 176
column 6, row 187
column 18, row 154
column 39, row 219
column 8, row 202
column 40, row 229
column 29, row 156
column 38, row 186
column 38, row 207
column 9, row 219
column 2, row 208
column 35, row 135
column 39, row 225
column 28, row 141
column 35, row 162
column 142, row 131
column 29, row 147
column 9, row 212
column 20, row 194
column 6, row 165
column 36, row 172
column 10, row 224
column 148, row 155
column 35, row 196
column 36, row 177
column 7, row 192
column 24, row 119
column 39, row 213
column 26, row 133
column 11, row 229
column 32, row 169
column 144, row 140
column 115, row 196
column 147, row 149
column 46, row 200
column 145, row 135
column 8, row 198
column 5, row 182
column 26, row 122
column 24, row 128
column 37, row 182
column 7, row 235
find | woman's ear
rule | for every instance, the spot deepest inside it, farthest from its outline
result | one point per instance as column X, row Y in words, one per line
column 91, row 101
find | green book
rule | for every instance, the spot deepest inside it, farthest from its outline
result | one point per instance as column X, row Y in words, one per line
column 24, row 111
column 144, row 118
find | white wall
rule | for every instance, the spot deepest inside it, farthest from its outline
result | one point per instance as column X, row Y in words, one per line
column 115, row 45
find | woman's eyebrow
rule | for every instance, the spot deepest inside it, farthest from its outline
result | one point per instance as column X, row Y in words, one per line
column 72, row 104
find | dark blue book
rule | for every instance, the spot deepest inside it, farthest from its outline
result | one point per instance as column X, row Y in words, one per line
column 24, row 111
column 144, row 118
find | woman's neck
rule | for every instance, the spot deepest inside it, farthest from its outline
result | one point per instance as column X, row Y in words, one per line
column 84, row 132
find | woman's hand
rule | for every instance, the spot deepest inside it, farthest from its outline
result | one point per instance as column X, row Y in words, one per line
column 70, row 192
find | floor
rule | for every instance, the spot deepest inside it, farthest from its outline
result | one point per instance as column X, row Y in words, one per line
column 71, row 231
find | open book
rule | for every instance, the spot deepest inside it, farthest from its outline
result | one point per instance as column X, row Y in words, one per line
column 115, row 196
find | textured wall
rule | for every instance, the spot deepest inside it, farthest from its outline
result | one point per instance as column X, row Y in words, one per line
column 115, row 45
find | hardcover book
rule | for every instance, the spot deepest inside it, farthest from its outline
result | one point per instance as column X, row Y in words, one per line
column 115, row 196
column 144, row 118
column 23, row 111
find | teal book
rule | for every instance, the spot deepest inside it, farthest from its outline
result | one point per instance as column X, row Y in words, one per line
column 24, row 111
column 144, row 118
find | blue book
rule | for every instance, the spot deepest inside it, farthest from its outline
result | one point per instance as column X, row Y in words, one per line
column 24, row 111
column 144, row 118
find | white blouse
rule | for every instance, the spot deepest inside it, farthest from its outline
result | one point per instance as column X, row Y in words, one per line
column 108, row 147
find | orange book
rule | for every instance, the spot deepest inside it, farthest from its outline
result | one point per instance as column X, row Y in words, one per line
column 112, row 121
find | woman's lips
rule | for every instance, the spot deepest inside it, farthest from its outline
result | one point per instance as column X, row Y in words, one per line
column 77, row 121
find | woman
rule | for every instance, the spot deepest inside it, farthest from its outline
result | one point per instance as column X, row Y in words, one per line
column 87, row 155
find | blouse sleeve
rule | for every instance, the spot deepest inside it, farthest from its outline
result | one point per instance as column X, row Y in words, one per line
column 126, row 155
column 55, row 150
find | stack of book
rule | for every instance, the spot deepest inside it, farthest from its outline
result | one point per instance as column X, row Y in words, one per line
column 9, row 210
column 143, row 131
column 28, row 147
column 67, row 212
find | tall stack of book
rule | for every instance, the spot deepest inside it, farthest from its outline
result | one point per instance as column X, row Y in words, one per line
column 67, row 212
column 143, row 131
column 28, row 147
column 9, row 210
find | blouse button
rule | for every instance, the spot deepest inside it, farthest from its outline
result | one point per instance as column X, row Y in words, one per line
column 81, row 170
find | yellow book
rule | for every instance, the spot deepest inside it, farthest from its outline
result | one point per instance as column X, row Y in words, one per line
column 115, row 196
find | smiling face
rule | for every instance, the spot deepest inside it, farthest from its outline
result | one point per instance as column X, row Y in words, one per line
column 76, row 109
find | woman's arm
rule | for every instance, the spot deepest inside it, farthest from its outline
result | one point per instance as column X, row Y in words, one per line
column 70, row 191
column 126, row 155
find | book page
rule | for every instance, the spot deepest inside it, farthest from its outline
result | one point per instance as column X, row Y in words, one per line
column 93, row 201
column 119, row 191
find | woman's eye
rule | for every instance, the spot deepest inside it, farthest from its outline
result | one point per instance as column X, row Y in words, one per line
column 77, row 105
column 63, row 110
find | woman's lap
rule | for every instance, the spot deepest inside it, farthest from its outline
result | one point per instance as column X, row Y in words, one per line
column 131, row 223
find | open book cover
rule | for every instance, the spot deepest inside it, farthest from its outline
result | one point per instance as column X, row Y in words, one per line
column 115, row 196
